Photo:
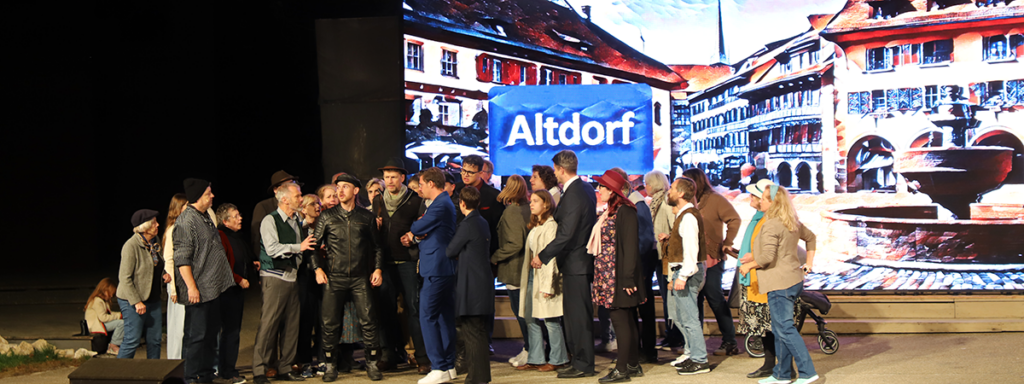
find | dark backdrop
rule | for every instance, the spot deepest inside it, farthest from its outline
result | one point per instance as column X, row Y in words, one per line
column 120, row 101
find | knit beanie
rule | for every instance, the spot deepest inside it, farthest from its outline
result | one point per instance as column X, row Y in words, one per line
column 195, row 188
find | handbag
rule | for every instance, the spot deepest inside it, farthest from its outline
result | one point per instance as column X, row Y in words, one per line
column 734, row 292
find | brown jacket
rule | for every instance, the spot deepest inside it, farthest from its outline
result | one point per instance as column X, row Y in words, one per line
column 718, row 211
column 775, row 251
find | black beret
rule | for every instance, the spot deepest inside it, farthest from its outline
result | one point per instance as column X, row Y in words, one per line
column 142, row 216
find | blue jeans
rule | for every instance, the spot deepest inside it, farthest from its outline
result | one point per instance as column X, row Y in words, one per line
column 134, row 325
column 686, row 309
column 559, row 354
column 513, row 300
column 789, row 345
column 673, row 336
column 116, row 330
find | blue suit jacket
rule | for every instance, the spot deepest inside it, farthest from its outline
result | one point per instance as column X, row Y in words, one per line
column 438, row 223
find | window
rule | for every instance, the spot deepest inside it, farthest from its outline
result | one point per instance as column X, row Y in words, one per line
column 414, row 55
column 449, row 63
column 878, row 100
column 999, row 47
column 657, row 113
column 496, row 71
column 448, row 113
column 1014, row 92
column 546, row 76
column 880, row 59
column 904, row 99
column 909, row 54
column 858, row 103
column 939, row 51
column 931, row 96
column 522, row 74
column 600, row 80
column 561, row 78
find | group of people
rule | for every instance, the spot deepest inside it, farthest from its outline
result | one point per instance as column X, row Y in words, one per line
column 417, row 266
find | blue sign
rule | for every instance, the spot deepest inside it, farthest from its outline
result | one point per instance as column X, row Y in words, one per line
column 606, row 125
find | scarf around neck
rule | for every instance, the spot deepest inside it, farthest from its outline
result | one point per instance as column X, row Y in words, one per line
column 746, row 245
column 391, row 202
column 656, row 201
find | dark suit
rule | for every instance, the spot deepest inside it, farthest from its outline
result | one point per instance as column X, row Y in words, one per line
column 437, row 314
column 474, row 293
column 576, row 215
column 490, row 209
column 649, row 261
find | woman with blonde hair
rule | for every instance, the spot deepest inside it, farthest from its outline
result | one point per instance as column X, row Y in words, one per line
column 175, row 311
column 781, row 275
column 542, row 301
column 512, row 231
column 328, row 195
column 99, row 316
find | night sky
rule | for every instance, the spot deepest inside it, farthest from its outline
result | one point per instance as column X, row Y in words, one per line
column 118, row 102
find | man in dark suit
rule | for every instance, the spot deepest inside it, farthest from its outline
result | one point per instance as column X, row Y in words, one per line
column 437, row 315
column 474, row 290
column 490, row 209
column 575, row 215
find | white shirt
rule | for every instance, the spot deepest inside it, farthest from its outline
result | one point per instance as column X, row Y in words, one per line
column 689, row 231
column 268, row 232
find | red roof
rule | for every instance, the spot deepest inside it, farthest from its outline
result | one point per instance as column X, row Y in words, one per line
column 536, row 26
column 857, row 15
column 700, row 77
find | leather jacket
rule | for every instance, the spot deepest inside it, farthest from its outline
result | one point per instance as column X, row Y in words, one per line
column 353, row 243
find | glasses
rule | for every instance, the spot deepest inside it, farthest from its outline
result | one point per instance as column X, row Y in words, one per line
column 468, row 173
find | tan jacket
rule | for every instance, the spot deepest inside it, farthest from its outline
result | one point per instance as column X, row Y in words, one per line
column 547, row 279
column 717, row 211
column 776, row 252
column 99, row 313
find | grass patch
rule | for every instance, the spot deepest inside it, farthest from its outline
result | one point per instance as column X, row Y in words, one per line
column 45, row 360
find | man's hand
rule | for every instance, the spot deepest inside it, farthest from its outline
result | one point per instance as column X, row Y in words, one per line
column 193, row 295
column 747, row 258
column 376, row 278
column 728, row 250
column 380, row 220
column 407, row 239
column 167, row 278
column 629, row 291
column 662, row 236
column 257, row 264
column 535, row 263
column 140, row 308
column 679, row 284
column 321, row 276
column 244, row 284
column 307, row 245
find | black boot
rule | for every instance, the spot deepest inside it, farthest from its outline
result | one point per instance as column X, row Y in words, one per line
column 330, row 367
column 635, row 371
column 615, row 377
column 371, row 366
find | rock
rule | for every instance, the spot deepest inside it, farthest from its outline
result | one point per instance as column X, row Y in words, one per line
column 4, row 348
column 23, row 349
column 82, row 352
column 66, row 353
column 3, row 341
column 40, row 345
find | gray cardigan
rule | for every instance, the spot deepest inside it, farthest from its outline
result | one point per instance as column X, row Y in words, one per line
column 135, row 277
column 776, row 252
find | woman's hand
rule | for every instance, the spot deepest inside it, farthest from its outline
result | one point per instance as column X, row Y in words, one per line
column 747, row 258
column 547, row 295
column 746, row 267
column 536, row 263
column 679, row 284
column 244, row 284
column 629, row 291
column 662, row 236
column 167, row 278
column 174, row 298
column 140, row 308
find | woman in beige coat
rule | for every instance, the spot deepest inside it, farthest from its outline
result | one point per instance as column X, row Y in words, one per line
column 542, row 297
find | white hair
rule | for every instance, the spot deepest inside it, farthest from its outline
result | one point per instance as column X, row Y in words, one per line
column 142, row 228
column 282, row 193
column 655, row 182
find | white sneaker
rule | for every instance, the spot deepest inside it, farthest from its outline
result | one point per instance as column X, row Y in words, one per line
column 680, row 359
column 808, row 380
column 452, row 374
column 435, row 377
column 519, row 359
column 773, row 380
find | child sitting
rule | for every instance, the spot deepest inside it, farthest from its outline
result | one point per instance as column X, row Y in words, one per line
column 99, row 316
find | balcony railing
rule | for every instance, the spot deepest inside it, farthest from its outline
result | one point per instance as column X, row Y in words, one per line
column 795, row 148
column 809, row 111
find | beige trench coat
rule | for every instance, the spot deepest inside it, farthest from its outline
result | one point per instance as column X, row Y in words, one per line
column 547, row 279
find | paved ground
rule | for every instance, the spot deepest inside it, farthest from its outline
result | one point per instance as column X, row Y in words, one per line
column 29, row 310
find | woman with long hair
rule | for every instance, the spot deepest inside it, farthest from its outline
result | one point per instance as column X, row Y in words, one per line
column 138, row 288
column 544, row 178
column 99, row 316
column 542, row 301
column 175, row 311
column 717, row 212
column 780, row 274
column 615, row 244
column 512, row 232
column 328, row 195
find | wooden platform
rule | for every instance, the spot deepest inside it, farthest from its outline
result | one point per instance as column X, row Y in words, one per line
column 871, row 314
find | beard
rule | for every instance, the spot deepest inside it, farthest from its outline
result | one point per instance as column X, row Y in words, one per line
column 672, row 201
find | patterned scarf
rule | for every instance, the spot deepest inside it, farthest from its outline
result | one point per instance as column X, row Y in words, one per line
column 656, row 201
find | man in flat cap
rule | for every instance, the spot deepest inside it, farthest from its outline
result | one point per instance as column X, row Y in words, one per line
column 264, row 207
column 203, row 274
column 349, row 235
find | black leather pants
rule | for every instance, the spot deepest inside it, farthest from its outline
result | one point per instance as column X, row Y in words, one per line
column 337, row 293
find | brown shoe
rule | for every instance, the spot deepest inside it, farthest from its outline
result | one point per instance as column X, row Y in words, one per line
column 529, row 367
column 385, row 366
column 550, row 368
column 271, row 372
column 423, row 369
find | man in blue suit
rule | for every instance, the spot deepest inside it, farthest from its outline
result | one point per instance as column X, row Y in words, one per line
column 576, row 214
column 437, row 314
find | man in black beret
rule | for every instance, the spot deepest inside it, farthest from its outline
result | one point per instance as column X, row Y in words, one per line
column 204, row 274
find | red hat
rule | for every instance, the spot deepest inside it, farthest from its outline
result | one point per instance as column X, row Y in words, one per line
column 614, row 181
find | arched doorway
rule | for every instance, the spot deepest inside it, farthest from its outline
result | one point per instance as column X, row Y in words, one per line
column 928, row 139
column 803, row 176
column 869, row 165
column 1003, row 138
column 784, row 174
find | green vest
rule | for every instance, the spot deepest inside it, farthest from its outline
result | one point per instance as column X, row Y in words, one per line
column 285, row 235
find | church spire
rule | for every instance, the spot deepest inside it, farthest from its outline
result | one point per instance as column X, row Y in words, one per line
column 721, row 37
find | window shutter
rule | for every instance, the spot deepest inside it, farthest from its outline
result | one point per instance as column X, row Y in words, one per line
column 483, row 68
